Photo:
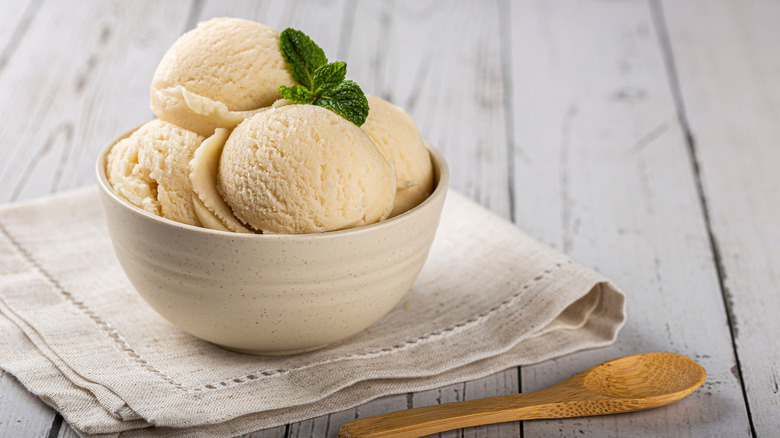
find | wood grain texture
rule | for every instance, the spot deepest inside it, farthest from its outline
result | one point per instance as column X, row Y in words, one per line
column 602, row 172
column 725, row 56
column 16, row 20
column 503, row 383
column 637, row 382
column 328, row 425
column 21, row 413
column 325, row 21
column 67, row 432
column 441, row 62
column 280, row 431
column 559, row 115
column 61, row 96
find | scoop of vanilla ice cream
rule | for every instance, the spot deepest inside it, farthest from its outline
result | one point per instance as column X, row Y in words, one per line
column 215, row 75
column 150, row 168
column 397, row 136
column 304, row 169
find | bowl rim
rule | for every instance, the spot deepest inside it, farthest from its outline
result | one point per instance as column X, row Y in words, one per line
column 441, row 174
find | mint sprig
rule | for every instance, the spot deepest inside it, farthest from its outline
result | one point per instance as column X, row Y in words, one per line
column 321, row 83
column 297, row 94
column 329, row 76
column 302, row 55
column 348, row 100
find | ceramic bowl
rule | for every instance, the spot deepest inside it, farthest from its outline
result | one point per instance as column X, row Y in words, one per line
column 271, row 293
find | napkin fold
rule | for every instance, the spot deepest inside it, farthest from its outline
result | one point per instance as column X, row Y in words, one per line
column 75, row 333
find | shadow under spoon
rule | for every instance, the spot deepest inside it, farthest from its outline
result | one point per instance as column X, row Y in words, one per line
column 626, row 384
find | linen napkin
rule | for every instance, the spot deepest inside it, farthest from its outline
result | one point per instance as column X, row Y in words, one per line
column 76, row 334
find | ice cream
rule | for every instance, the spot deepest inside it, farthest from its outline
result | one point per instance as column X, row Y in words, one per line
column 227, row 154
column 210, row 208
column 150, row 169
column 304, row 169
column 217, row 74
column 398, row 137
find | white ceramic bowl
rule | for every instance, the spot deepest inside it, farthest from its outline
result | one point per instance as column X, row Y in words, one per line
column 271, row 293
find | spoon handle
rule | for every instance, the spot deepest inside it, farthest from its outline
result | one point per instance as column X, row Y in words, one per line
column 439, row 418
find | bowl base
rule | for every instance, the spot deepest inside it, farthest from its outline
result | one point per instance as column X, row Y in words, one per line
column 272, row 352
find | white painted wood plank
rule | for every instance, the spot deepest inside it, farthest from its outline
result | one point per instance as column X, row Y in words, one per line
column 67, row 432
column 602, row 173
column 728, row 68
column 21, row 413
column 274, row 432
column 78, row 79
column 442, row 63
column 325, row 21
column 327, row 426
column 16, row 17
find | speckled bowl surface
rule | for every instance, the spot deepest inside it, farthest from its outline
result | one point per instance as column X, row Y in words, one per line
column 271, row 293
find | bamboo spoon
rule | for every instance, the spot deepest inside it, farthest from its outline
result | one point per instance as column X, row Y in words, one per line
column 630, row 383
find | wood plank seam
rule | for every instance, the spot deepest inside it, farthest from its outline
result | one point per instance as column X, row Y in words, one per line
column 18, row 34
column 657, row 13
column 193, row 17
column 505, row 49
column 56, row 425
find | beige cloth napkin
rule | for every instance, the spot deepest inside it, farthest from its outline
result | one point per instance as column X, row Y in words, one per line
column 76, row 334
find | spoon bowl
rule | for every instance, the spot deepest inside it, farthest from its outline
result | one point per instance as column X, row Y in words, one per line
column 645, row 376
column 626, row 384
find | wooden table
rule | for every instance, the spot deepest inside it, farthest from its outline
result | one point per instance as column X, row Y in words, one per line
column 640, row 137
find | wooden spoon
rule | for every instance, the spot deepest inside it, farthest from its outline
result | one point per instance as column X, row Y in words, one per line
column 630, row 383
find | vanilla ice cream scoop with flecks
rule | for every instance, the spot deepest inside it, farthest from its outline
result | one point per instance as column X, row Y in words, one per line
column 219, row 73
column 304, row 169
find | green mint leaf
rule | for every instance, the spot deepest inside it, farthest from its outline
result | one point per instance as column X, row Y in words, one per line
column 296, row 94
column 347, row 100
column 328, row 76
column 321, row 84
column 302, row 55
